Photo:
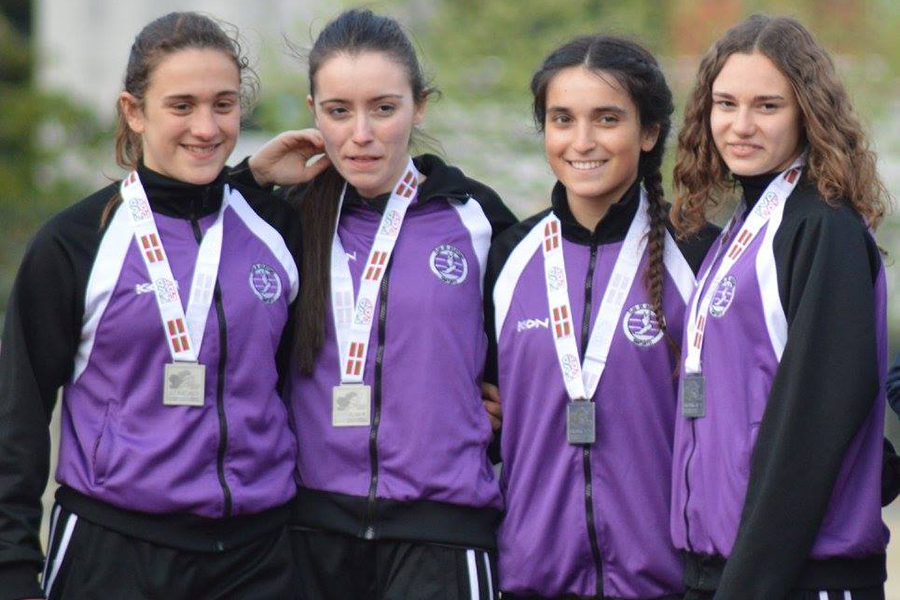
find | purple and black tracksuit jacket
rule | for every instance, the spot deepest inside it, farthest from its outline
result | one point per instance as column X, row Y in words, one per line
column 420, row 471
column 83, row 317
column 587, row 521
column 778, row 487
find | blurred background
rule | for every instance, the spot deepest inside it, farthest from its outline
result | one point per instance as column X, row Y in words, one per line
column 62, row 61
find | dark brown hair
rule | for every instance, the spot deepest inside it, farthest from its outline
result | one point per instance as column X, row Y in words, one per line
column 641, row 76
column 352, row 32
column 158, row 39
column 840, row 162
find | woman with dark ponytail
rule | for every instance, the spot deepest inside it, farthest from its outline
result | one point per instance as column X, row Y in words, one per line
column 158, row 305
column 397, row 496
column 586, row 301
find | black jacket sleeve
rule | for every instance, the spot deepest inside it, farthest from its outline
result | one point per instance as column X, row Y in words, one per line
column 823, row 392
column 40, row 337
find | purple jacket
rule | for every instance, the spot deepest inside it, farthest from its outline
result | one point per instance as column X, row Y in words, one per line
column 83, row 316
column 586, row 521
column 421, row 470
column 783, row 476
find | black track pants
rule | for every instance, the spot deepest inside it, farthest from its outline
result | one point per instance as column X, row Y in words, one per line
column 334, row 566
column 872, row 593
column 88, row 562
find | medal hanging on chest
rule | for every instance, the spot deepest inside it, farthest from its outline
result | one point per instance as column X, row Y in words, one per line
column 693, row 381
column 184, row 378
column 351, row 400
column 581, row 380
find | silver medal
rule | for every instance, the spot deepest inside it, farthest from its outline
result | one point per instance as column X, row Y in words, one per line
column 580, row 422
column 693, row 395
column 183, row 384
column 351, row 405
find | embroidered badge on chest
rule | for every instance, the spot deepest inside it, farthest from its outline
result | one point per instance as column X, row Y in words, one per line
column 723, row 297
column 449, row 264
column 265, row 283
column 640, row 325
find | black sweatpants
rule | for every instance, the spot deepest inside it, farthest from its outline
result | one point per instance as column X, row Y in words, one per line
column 88, row 562
column 871, row 593
column 333, row 566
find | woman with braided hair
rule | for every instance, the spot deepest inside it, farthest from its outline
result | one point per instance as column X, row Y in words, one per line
column 585, row 302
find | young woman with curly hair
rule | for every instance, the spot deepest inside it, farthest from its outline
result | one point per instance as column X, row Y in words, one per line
column 778, row 446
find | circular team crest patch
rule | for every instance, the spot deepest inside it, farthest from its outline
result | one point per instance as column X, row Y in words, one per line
column 723, row 296
column 265, row 283
column 640, row 325
column 449, row 264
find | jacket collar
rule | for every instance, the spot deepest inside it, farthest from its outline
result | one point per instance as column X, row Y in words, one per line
column 612, row 227
column 175, row 198
column 441, row 181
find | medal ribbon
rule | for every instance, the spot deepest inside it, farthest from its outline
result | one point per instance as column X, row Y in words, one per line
column 183, row 329
column 776, row 194
column 581, row 381
column 353, row 321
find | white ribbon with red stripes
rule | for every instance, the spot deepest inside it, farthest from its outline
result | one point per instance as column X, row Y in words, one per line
column 776, row 194
column 183, row 329
column 353, row 321
column 582, row 380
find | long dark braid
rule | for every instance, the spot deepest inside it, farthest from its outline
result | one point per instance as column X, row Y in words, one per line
column 640, row 74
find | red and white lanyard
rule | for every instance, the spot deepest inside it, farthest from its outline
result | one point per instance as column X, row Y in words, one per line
column 183, row 329
column 353, row 321
column 775, row 195
column 582, row 380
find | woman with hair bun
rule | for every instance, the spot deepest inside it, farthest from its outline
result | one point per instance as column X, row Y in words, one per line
column 778, row 444
column 158, row 305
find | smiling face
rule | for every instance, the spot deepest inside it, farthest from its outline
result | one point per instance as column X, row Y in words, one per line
column 755, row 117
column 190, row 115
column 593, row 136
column 364, row 108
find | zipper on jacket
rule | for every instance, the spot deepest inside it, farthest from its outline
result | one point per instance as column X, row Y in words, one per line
column 687, row 485
column 369, row 530
column 220, row 383
column 586, row 450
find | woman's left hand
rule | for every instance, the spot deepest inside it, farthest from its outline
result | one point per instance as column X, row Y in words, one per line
column 490, row 396
column 283, row 160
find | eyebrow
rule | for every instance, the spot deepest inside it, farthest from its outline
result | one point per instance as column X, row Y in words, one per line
column 375, row 99
column 760, row 98
column 183, row 97
column 610, row 108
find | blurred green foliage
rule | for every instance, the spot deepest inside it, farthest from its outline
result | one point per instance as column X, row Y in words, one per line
column 42, row 137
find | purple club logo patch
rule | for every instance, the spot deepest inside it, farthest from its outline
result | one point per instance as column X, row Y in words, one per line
column 265, row 283
column 640, row 325
column 449, row 264
column 722, row 297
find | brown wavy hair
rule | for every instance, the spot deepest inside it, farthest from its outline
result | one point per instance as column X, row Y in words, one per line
column 841, row 163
